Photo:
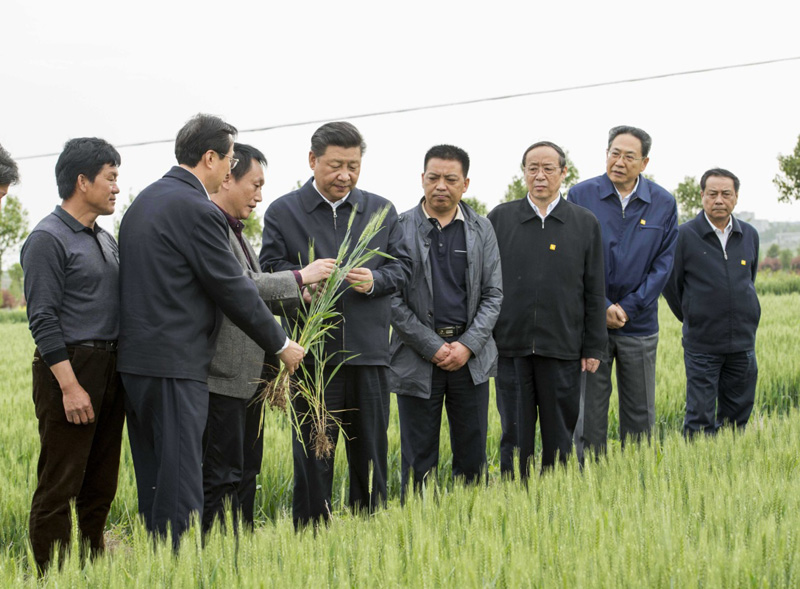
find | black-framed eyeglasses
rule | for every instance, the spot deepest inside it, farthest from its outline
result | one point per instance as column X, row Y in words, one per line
column 234, row 161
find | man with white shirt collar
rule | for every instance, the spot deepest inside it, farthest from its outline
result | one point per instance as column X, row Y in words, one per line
column 442, row 348
column 552, row 322
column 639, row 220
column 358, row 344
column 178, row 276
column 712, row 291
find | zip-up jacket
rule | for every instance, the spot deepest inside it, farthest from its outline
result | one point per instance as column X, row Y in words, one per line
column 414, row 341
column 712, row 291
column 553, row 303
column 638, row 246
column 362, row 332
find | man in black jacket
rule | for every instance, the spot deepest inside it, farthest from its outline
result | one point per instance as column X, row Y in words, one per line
column 178, row 276
column 358, row 394
column 552, row 322
column 712, row 291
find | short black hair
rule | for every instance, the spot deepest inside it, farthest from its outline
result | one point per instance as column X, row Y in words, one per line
column 200, row 134
column 641, row 135
column 84, row 155
column 246, row 154
column 720, row 172
column 340, row 134
column 448, row 152
column 9, row 174
column 562, row 157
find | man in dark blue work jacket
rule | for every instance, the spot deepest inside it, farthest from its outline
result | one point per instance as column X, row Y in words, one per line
column 358, row 345
column 712, row 292
column 639, row 221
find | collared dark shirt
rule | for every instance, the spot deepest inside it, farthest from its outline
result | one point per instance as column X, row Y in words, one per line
column 237, row 226
column 71, row 284
column 448, row 256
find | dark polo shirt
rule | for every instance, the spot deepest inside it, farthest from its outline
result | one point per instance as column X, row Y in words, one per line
column 448, row 257
column 71, row 284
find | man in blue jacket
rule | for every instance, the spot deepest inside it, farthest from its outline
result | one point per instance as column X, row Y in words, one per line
column 358, row 345
column 639, row 221
column 712, row 291
column 442, row 348
column 178, row 276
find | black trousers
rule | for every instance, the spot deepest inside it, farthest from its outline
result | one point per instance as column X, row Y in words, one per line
column 720, row 390
column 550, row 390
column 166, row 420
column 359, row 397
column 75, row 461
column 467, row 407
column 233, row 450
column 506, row 392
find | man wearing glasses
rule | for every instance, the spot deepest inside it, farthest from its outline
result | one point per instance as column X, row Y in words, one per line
column 552, row 321
column 178, row 276
column 639, row 222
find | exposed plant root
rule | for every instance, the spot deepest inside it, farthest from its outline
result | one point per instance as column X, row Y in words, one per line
column 323, row 446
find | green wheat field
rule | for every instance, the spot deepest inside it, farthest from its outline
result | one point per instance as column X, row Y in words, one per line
column 722, row 512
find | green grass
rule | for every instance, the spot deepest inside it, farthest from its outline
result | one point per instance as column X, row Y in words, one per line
column 720, row 512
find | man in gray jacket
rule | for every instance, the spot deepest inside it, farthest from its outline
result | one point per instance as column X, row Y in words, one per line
column 442, row 347
column 233, row 446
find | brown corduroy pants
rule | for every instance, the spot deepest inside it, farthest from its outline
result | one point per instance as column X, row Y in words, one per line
column 76, row 461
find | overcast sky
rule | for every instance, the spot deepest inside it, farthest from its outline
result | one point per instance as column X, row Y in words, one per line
column 136, row 71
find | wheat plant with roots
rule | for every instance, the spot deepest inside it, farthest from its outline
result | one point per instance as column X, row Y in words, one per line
column 315, row 321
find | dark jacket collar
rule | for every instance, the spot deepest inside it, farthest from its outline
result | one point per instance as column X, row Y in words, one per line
column 704, row 227
column 311, row 199
column 185, row 175
column 642, row 192
column 526, row 213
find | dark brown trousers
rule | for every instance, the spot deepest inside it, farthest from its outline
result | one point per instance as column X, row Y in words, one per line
column 76, row 461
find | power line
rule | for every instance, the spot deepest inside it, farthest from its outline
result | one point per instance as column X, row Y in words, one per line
column 464, row 102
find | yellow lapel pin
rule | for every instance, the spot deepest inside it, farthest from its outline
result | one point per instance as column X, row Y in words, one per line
column 552, row 247
column 642, row 222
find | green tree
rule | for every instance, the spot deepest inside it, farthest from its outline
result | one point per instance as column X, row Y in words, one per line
column 13, row 225
column 689, row 200
column 477, row 205
column 788, row 180
column 252, row 230
column 773, row 251
column 15, row 274
column 786, row 259
column 517, row 188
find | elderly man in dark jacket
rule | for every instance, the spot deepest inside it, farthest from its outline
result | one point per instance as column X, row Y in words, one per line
column 712, row 291
column 553, row 318
column 357, row 390
column 442, row 347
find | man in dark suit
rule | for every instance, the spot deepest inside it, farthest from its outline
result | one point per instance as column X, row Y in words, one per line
column 552, row 322
column 712, row 292
column 358, row 393
column 233, row 446
column 177, row 276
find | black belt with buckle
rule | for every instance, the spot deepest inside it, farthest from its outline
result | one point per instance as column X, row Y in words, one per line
column 98, row 345
column 451, row 331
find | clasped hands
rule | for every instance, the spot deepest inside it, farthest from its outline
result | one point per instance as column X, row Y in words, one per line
column 451, row 356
